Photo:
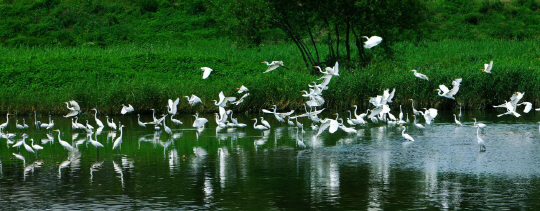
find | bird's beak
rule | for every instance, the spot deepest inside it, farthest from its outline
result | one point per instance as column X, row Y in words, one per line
column 435, row 90
column 262, row 62
column 411, row 70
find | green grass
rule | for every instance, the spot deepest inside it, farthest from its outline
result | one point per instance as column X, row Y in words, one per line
column 146, row 76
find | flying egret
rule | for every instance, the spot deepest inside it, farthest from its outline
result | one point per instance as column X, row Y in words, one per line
column 74, row 109
column 173, row 106
column 126, row 109
column 420, row 75
column 487, row 67
column 98, row 122
column 405, row 135
column 447, row 92
column 206, row 71
column 480, row 141
column 272, row 66
column 241, row 99
column 193, row 100
column 242, row 89
column 528, row 106
column 371, row 41
column 223, row 100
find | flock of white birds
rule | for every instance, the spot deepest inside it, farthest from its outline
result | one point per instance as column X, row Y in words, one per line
column 379, row 113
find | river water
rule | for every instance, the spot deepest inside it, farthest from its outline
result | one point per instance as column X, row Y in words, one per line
column 246, row 169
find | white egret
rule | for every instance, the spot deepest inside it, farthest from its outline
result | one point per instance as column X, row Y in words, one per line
column 20, row 157
column 89, row 126
column 429, row 114
column 289, row 122
column 447, row 92
column 371, row 41
column 405, row 135
column 193, row 100
column 5, row 124
column 79, row 125
column 479, row 125
column 36, row 122
column 111, row 124
column 352, row 121
column 18, row 126
column 66, row 145
column 74, row 109
column 265, row 123
column 487, row 67
column 166, row 128
column 126, row 109
column 28, row 147
column 51, row 125
column 223, row 100
column 173, row 106
column 415, row 112
column 98, row 122
column 142, row 124
column 299, row 142
column 95, row 143
column 118, row 140
column 241, row 99
column 480, row 141
column 457, row 121
column 459, row 115
column 272, row 65
column 206, row 72
column 528, row 106
column 219, row 122
column 333, row 71
column 420, row 75
column 36, row 146
column 176, row 121
column 346, row 129
column 242, row 89
column 259, row 127
column 199, row 122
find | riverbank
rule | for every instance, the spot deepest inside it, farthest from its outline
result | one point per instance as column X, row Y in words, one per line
column 41, row 78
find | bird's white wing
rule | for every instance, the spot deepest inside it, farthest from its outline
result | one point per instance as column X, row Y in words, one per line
column 336, row 69
column 130, row 108
column 528, row 107
column 334, row 125
column 488, row 67
column 444, row 88
column 72, row 114
column 221, row 96
column 124, row 110
column 206, row 71
column 391, row 95
column 221, row 112
column 267, row 111
column 75, row 105
column 322, row 128
column 433, row 113
column 195, row 99
column 456, row 82
column 372, row 42
column 270, row 68
column 286, row 114
column 454, row 90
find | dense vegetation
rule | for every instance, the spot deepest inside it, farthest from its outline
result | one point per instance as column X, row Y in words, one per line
column 105, row 53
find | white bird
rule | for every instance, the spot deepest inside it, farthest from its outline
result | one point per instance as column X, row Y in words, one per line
column 241, row 99
column 118, row 140
column 429, row 114
column 289, row 122
column 98, row 122
column 480, row 141
column 333, row 71
column 25, row 126
column 199, row 122
column 167, row 129
column 20, row 157
column 259, row 127
column 66, row 145
column 265, row 123
column 111, row 124
column 242, row 89
column 51, row 125
column 487, row 67
column 5, row 124
column 173, row 106
column 74, row 109
column 272, row 66
column 449, row 93
column 18, row 126
column 206, row 71
column 528, row 106
column 371, row 41
column 79, row 125
column 457, row 121
column 28, row 147
column 223, row 100
column 176, row 121
column 95, row 143
column 36, row 146
column 479, row 125
column 89, row 126
column 193, row 100
column 420, row 75
column 405, row 135
column 142, row 124
column 127, row 109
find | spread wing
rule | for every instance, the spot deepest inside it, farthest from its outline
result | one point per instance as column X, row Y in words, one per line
column 336, row 68
column 267, row 111
column 75, row 105
column 334, row 125
column 322, row 128
column 444, row 88
column 72, row 114
column 206, row 71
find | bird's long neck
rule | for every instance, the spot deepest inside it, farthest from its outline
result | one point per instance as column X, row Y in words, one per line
column 123, row 132
column 337, row 116
column 255, row 124
column 355, row 108
column 59, row 135
column 403, row 132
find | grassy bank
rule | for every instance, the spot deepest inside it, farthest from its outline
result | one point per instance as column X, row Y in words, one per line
column 146, row 76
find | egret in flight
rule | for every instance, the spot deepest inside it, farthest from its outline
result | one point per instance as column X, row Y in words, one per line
column 371, row 41
column 449, row 93
column 487, row 67
column 420, row 75
column 206, row 72
column 272, row 65
column 126, row 109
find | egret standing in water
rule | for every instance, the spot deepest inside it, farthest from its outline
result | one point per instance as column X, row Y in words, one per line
column 480, row 141
column 98, row 122
column 405, row 135
column 66, row 145
column 457, row 121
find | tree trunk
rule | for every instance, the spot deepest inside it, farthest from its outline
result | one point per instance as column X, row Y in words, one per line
column 347, row 41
